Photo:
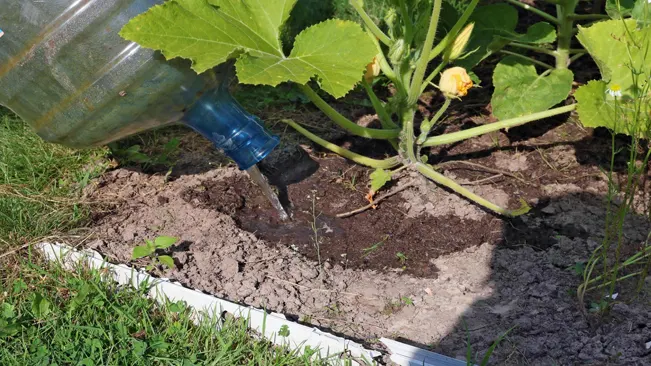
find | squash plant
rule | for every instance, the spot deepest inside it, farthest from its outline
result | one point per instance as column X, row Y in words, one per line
column 619, row 42
column 424, row 41
column 521, row 90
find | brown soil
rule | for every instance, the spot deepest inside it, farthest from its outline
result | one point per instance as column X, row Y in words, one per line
column 466, row 269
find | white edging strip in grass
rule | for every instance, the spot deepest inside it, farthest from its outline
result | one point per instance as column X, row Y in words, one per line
column 299, row 336
column 406, row 355
column 267, row 324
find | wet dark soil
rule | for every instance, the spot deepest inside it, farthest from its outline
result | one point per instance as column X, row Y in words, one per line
column 381, row 238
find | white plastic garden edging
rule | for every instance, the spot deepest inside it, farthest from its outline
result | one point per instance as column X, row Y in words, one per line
column 299, row 336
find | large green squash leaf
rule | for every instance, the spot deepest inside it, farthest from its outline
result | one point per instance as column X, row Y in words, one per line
column 642, row 13
column 538, row 33
column 617, row 9
column 520, row 91
column 209, row 32
column 495, row 27
column 597, row 108
column 379, row 178
column 618, row 47
column 491, row 22
column 621, row 50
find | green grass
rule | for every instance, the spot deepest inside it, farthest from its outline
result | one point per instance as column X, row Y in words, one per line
column 40, row 183
column 49, row 316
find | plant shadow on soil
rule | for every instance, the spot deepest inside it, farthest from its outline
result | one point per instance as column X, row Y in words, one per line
column 470, row 275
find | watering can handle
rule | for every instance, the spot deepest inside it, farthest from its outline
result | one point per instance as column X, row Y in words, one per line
column 219, row 118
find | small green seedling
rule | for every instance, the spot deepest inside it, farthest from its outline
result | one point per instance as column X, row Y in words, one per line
column 134, row 155
column 177, row 307
column 489, row 352
column 599, row 307
column 284, row 331
column 578, row 268
column 352, row 182
column 406, row 300
column 40, row 306
column 306, row 319
column 9, row 321
column 367, row 251
column 402, row 258
column 150, row 248
column 333, row 310
column 393, row 306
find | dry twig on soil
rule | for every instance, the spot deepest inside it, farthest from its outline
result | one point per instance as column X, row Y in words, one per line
column 376, row 201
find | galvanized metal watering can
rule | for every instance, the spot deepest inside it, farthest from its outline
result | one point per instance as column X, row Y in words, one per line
column 65, row 70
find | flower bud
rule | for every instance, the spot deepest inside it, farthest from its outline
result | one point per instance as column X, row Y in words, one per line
column 460, row 42
column 398, row 51
column 372, row 70
column 390, row 18
column 455, row 82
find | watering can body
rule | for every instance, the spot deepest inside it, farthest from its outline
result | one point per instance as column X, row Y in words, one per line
column 65, row 70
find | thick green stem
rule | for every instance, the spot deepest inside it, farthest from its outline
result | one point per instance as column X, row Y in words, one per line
column 406, row 18
column 344, row 122
column 639, row 256
column 614, row 281
column 370, row 24
column 407, row 141
column 439, row 178
column 496, row 126
column 385, row 118
column 383, row 115
column 384, row 64
column 532, row 48
column 565, row 32
column 421, row 66
column 359, row 159
column 527, row 58
column 431, row 123
column 440, row 112
column 536, row 11
column 452, row 34
column 431, row 76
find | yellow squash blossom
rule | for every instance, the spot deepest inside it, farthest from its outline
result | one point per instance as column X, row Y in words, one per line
column 372, row 70
column 460, row 42
column 455, row 82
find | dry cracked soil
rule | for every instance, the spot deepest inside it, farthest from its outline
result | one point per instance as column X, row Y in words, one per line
column 426, row 266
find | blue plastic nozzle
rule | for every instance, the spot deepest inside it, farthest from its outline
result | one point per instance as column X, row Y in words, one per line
column 220, row 119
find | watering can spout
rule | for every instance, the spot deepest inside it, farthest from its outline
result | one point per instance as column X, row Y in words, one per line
column 219, row 118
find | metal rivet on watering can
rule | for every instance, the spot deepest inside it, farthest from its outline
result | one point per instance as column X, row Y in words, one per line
column 66, row 71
